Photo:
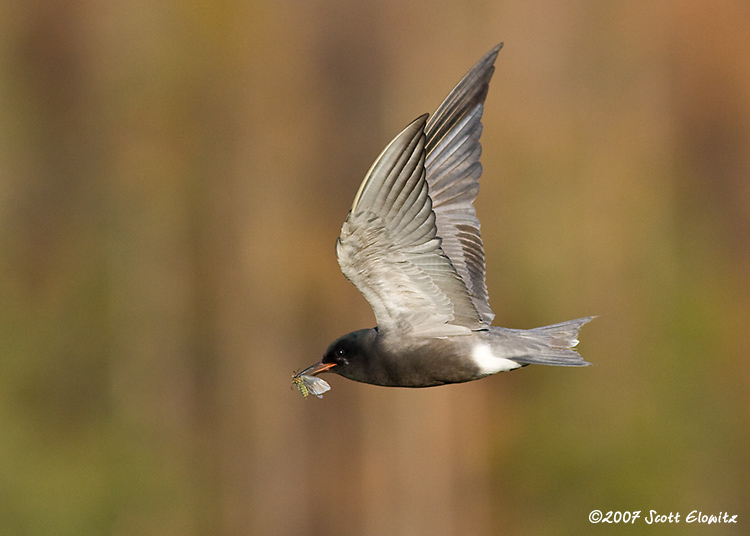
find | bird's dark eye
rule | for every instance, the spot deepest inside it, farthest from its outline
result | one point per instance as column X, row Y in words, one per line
column 340, row 352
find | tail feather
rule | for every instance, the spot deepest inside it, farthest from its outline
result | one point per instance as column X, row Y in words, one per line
column 552, row 345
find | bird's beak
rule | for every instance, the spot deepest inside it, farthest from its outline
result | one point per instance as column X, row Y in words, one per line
column 317, row 368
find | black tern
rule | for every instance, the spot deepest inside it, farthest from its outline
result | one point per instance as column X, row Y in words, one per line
column 411, row 245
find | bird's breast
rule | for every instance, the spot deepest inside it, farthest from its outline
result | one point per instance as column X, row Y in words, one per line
column 414, row 362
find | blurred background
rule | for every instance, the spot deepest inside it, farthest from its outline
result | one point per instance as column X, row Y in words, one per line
column 173, row 176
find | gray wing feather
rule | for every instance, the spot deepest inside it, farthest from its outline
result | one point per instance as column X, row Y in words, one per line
column 390, row 250
column 452, row 173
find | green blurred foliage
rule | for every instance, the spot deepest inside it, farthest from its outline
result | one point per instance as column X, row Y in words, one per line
column 172, row 179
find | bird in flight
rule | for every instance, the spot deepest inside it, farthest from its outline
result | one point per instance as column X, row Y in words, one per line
column 411, row 245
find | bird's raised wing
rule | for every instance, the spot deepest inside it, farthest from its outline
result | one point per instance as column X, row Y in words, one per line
column 453, row 171
column 390, row 250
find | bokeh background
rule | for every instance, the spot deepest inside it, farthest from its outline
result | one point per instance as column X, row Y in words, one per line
column 173, row 176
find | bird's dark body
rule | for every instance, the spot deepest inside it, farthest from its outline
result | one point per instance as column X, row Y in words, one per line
column 401, row 360
column 405, row 361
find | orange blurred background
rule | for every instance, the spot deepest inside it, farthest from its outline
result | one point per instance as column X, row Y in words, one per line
column 173, row 176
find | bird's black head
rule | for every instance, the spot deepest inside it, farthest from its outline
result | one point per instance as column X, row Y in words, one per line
column 349, row 356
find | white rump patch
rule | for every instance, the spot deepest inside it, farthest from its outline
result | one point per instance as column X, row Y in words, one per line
column 488, row 362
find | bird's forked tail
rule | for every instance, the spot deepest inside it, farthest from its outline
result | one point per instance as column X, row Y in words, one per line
column 552, row 345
